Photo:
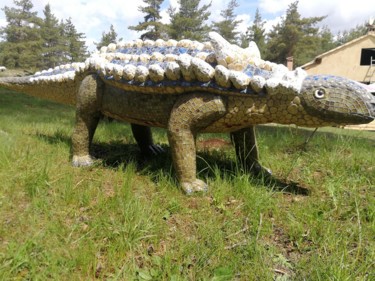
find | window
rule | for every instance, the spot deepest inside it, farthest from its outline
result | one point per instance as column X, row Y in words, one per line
column 366, row 55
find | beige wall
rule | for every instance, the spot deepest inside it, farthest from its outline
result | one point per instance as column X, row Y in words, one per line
column 345, row 61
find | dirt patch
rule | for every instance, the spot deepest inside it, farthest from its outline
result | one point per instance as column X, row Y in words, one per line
column 290, row 253
column 213, row 144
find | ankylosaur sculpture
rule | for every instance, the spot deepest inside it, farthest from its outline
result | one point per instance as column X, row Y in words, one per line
column 188, row 88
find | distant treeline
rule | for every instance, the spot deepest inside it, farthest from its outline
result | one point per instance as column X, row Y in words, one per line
column 31, row 42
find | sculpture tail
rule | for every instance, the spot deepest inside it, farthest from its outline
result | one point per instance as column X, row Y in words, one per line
column 61, row 92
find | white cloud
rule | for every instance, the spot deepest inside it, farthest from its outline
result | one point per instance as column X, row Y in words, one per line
column 95, row 15
column 165, row 17
column 274, row 6
column 3, row 22
column 269, row 24
column 216, row 7
column 246, row 21
column 92, row 17
column 174, row 4
column 341, row 14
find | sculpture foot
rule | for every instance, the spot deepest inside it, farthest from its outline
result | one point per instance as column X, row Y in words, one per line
column 195, row 186
column 82, row 161
column 260, row 171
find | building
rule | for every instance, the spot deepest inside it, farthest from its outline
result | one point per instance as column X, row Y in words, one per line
column 354, row 60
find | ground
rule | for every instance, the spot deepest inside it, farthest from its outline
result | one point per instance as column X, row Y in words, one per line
column 126, row 219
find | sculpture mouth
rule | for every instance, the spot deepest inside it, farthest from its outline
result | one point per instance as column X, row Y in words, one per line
column 364, row 118
column 361, row 117
column 346, row 116
column 354, row 118
column 372, row 108
column 369, row 99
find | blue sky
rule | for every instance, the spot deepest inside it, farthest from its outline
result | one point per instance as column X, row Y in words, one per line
column 92, row 17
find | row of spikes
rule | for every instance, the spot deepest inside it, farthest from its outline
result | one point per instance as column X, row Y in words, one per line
column 185, row 67
column 230, row 62
column 185, row 43
column 218, row 51
column 222, row 53
column 194, row 69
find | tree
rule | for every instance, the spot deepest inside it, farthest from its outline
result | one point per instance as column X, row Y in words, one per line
column 327, row 40
column 53, row 43
column 75, row 42
column 189, row 21
column 151, row 25
column 294, row 36
column 22, row 41
column 351, row 34
column 257, row 33
column 227, row 27
column 107, row 38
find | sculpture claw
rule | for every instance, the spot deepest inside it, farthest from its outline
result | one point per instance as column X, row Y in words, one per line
column 152, row 150
column 196, row 186
column 260, row 171
column 155, row 149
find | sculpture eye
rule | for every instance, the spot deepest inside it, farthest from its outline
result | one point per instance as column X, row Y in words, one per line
column 319, row 94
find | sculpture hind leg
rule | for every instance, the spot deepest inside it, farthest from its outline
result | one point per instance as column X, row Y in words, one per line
column 143, row 137
column 190, row 114
column 247, row 153
column 87, row 119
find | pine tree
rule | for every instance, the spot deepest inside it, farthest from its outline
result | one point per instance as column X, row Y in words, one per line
column 257, row 33
column 294, row 36
column 22, row 41
column 327, row 40
column 53, row 43
column 107, row 38
column 189, row 21
column 75, row 42
column 351, row 34
column 227, row 27
column 152, row 25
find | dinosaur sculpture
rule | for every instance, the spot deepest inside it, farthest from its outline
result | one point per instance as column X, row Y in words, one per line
column 188, row 88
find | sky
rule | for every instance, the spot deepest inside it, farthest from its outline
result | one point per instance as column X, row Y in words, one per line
column 93, row 17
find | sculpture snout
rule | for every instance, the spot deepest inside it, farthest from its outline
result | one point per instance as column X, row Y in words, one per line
column 372, row 108
column 371, row 105
column 369, row 100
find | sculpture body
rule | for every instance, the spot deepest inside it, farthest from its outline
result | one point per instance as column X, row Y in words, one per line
column 189, row 88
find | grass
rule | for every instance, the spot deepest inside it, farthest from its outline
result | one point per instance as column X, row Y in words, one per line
column 127, row 220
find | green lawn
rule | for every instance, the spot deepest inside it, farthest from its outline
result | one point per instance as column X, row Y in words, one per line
column 126, row 219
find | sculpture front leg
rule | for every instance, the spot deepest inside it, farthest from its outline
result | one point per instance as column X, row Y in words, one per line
column 189, row 115
column 87, row 119
column 247, row 153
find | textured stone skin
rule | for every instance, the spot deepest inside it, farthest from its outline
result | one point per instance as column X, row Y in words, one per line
column 186, row 105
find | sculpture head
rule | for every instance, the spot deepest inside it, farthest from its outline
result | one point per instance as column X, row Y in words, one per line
column 337, row 100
